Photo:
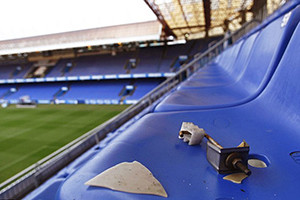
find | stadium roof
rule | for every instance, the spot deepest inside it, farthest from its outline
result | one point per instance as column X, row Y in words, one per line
column 36, row 25
column 126, row 33
column 200, row 18
column 21, row 19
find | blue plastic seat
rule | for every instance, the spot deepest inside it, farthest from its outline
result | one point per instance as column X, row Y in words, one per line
column 223, row 71
column 270, row 124
column 262, row 62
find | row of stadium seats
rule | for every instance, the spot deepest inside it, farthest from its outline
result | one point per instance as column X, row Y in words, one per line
column 148, row 60
column 260, row 74
column 238, row 75
column 14, row 71
column 89, row 91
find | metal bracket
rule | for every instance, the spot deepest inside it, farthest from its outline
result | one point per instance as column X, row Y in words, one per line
column 224, row 160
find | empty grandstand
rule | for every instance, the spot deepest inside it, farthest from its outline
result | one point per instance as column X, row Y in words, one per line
column 230, row 67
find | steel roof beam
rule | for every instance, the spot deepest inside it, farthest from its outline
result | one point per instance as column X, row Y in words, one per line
column 168, row 31
column 189, row 27
column 183, row 13
column 207, row 16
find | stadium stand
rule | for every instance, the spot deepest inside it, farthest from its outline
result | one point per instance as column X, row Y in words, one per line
column 105, row 91
column 88, row 92
column 145, row 60
column 120, row 65
column 42, row 91
column 85, row 68
column 12, row 71
column 114, row 64
column 94, row 65
column 6, row 90
column 248, row 92
column 268, row 120
column 142, row 87
column 59, row 69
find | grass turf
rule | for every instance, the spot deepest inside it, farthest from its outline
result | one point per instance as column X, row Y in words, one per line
column 27, row 135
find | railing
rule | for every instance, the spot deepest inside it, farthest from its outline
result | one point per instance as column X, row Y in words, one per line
column 27, row 180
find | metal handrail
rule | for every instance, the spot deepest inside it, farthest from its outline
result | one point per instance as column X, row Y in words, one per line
column 33, row 176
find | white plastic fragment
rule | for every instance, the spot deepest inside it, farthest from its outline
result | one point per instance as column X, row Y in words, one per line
column 132, row 177
column 191, row 133
column 286, row 19
column 257, row 163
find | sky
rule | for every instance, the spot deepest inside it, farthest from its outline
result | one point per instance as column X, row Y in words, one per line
column 25, row 18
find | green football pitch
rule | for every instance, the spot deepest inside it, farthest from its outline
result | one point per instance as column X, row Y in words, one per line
column 27, row 135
